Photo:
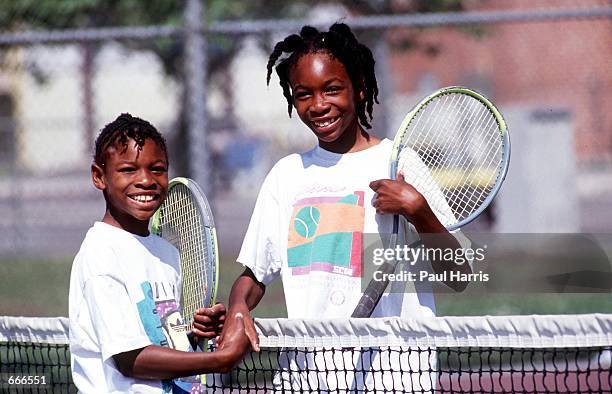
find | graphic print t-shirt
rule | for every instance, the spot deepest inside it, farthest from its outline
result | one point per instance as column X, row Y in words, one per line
column 308, row 225
column 124, row 295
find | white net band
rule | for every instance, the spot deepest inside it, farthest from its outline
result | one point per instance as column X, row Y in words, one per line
column 49, row 330
column 462, row 331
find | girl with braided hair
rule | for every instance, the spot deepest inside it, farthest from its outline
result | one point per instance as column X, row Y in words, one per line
column 314, row 208
column 125, row 323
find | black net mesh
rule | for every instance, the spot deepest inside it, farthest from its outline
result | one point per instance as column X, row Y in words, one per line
column 406, row 370
column 27, row 367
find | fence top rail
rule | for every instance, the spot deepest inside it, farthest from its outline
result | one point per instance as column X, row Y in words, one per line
column 271, row 25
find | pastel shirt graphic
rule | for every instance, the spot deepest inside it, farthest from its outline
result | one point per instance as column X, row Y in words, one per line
column 308, row 228
column 164, row 326
column 325, row 234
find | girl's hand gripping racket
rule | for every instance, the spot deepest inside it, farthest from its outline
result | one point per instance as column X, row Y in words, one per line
column 185, row 220
column 454, row 148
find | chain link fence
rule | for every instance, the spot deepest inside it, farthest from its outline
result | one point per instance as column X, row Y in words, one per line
column 547, row 64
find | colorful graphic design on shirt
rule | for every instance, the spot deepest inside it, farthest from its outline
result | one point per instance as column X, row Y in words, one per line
column 325, row 234
column 164, row 326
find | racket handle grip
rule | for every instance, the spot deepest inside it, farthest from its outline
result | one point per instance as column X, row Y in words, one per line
column 373, row 292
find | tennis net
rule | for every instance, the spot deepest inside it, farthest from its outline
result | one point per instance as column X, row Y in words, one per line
column 499, row 354
column 505, row 354
column 34, row 355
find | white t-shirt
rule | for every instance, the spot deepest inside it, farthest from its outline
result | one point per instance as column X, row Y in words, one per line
column 124, row 295
column 308, row 225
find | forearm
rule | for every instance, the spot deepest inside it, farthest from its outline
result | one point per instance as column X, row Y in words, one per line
column 435, row 236
column 246, row 292
column 156, row 363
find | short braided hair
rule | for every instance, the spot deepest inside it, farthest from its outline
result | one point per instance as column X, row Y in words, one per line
column 340, row 43
column 123, row 128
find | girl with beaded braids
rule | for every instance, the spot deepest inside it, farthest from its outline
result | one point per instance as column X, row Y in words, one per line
column 314, row 208
column 341, row 44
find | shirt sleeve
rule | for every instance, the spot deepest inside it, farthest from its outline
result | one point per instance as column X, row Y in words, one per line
column 114, row 317
column 262, row 247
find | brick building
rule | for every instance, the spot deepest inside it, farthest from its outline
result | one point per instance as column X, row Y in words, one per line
column 551, row 66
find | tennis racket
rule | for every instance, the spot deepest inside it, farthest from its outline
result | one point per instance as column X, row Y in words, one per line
column 454, row 148
column 185, row 220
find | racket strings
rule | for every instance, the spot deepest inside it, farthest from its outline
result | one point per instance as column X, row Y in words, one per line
column 182, row 225
column 454, row 156
column 493, row 151
column 460, row 124
column 430, row 152
column 465, row 196
column 488, row 177
column 468, row 160
column 440, row 161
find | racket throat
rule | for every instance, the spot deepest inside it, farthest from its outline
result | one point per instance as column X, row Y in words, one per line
column 195, row 341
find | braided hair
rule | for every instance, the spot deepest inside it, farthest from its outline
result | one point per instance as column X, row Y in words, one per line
column 340, row 43
column 123, row 128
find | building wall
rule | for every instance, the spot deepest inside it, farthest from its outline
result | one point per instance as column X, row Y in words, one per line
column 550, row 65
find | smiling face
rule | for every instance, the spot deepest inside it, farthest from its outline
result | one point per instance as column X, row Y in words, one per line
column 134, row 182
column 325, row 100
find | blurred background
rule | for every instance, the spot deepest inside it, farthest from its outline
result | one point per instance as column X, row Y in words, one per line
column 196, row 69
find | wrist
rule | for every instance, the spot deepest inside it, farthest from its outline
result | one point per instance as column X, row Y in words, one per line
column 423, row 218
column 238, row 307
column 426, row 222
column 224, row 361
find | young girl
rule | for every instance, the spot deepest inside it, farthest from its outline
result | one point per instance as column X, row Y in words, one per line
column 125, row 325
column 314, row 208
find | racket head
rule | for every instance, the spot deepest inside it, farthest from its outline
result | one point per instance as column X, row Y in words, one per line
column 185, row 220
column 463, row 141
